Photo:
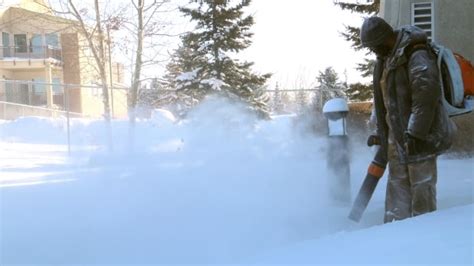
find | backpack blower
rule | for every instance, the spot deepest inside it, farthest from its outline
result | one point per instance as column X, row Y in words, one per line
column 374, row 173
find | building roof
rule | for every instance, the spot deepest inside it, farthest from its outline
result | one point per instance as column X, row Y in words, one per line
column 29, row 11
column 39, row 6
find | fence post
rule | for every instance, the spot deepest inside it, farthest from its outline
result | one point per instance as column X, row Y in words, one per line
column 66, row 103
column 48, row 86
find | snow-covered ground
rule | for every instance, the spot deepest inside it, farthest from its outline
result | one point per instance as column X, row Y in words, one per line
column 214, row 189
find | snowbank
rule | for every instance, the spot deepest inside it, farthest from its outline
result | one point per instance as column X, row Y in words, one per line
column 220, row 188
column 443, row 237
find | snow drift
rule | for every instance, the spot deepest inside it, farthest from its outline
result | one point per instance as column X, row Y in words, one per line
column 220, row 188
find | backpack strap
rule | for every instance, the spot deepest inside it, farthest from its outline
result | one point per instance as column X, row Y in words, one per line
column 413, row 48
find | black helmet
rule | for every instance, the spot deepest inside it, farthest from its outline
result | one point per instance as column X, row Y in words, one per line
column 373, row 32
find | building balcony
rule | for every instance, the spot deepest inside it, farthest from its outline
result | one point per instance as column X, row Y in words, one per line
column 29, row 53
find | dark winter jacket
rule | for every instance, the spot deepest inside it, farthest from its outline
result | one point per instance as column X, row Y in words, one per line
column 414, row 98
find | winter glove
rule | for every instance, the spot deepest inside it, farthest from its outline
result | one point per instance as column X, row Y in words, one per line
column 413, row 146
column 373, row 140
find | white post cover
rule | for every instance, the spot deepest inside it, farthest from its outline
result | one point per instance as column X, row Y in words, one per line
column 335, row 111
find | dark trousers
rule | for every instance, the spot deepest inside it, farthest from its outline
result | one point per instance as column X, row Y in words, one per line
column 411, row 188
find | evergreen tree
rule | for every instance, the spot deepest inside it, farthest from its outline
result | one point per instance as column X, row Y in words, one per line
column 286, row 101
column 352, row 34
column 149, row 98
column 359, row 92
column 165, row 97
column 258, row 101
column 184, row 60
column 277, row 100
column 180, row 76
column 301, row 100
column 329, row 87
column 204, row 64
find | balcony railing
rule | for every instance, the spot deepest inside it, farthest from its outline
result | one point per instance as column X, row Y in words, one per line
column 30, row 52
column 30, row 92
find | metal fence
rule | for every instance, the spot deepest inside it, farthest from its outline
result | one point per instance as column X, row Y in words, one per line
column 277, row 101
column 20, row 98
column 33, row 98
column 293, row 101
column 26, row 98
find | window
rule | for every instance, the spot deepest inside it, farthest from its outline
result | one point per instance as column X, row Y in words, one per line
column 36, row 44
column 24, row 93
column 39, row 88
column 17, row 92
column 422, row 17
column 20, row 43
column 52, row 39
column 9, row 91
column 6, row 44
column 39, row 92
column 57, row 87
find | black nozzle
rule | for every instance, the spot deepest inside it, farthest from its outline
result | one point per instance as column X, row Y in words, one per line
column 363, row 197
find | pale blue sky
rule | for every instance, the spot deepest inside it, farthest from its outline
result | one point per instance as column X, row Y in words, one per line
column 296, row 39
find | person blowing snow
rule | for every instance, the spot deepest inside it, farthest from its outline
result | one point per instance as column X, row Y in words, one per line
column 412, row 124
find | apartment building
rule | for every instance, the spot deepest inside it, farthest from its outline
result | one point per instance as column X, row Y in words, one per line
column 447, row 22
column 40, row 52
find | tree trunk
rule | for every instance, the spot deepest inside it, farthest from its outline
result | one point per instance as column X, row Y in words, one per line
column 137, row 71
column 103, row 75
column 101, row 63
